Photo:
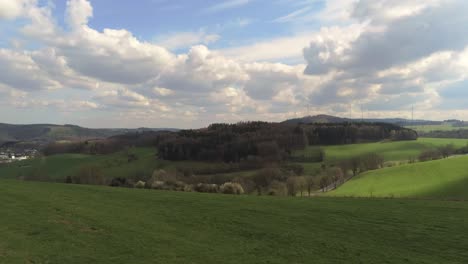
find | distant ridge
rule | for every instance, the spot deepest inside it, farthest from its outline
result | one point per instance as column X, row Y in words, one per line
column 46, row 133
column 317, row 119
column 334, row 119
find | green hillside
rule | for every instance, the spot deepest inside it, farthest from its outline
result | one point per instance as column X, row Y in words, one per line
column 429, row 128
column 58, row 167
column 44, row 133
column 57, row 223
column 443, row 179
column 391, row 150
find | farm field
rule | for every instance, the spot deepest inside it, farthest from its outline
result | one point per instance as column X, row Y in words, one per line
column 392, row 150
column 58, row 167
column 429, row 128
column 440, row 179
column 58, row 223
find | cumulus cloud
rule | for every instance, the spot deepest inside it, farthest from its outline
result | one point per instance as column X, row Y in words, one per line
column 12, row 9
column 388, row 56
column 225, row 5
column 22, row 101
column 20, row 71
column 179, row 40
column 381, row 45
column 289, row 48
column 78, row 13
column 399, row 53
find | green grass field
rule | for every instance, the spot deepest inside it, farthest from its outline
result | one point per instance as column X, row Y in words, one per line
column 441, row 179
column 429, row 128
column 391, row 150
column 442, row 127
column 58, row 223
column 58, row 167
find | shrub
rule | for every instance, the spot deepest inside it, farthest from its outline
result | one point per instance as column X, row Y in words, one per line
column 206, row 188
column 163, row 180
column 140, row 184
column 158, row 185
column 121, row 182
column 266, row 176
column 372, row 161
column 297, row 169
column 278, row 188
column 162, row 175
column 178, row 186
column 324, row 182
column 292, row 185
column 88, row 175
column 430, row 154
column 446, row 150
column 247, row 184
column 231, row 188
column 188, row 188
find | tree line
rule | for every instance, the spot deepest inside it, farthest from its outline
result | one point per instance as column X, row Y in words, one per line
column 254, row 142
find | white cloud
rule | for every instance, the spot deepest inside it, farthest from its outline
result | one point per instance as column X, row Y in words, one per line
column 78, row 13
column 20, row 71
column 281, row 48
column 179, row 40
column 399, row 54
column 114, row 56
column 224, row 5
column 387, row 56
column 61, row 105
column 163, row 91
column 293, row 15
column 10, row 9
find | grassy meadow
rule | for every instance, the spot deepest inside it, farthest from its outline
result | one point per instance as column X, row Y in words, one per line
column 58, row 223
column 429, row 128
column 391, row 150
column 445, row 126
column 439, row 179
column 58, row 167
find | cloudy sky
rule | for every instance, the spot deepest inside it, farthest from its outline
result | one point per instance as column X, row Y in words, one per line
column 188, row 63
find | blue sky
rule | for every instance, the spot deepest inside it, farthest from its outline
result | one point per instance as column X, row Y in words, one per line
column 163, row 63
column 240, row 21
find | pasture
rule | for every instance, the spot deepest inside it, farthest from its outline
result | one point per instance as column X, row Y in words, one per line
column 440, row 179
column 58, row 223
column 135, row 163
column 391, row 150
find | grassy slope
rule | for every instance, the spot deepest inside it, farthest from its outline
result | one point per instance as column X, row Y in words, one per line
column 57, row 223
column 392, row 151
column 58, row 167
column 446, row 179
column 429, row 128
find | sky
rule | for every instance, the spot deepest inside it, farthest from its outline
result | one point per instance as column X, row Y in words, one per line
column 190, row 63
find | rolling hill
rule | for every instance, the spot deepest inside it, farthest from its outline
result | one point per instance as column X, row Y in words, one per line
column 57, row 168
column 334, row 119
column 440, row 179
column 393, row 150
column 45, row 133
column 58, row 223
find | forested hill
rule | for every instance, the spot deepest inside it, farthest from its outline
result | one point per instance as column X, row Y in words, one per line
column 335, row 119
column 46, row 133
column 270, row 141
column 241, row 141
